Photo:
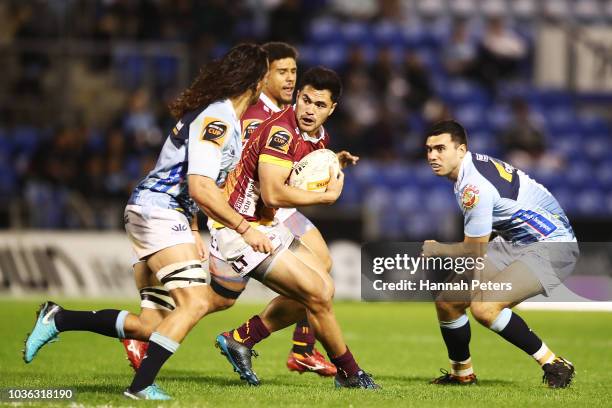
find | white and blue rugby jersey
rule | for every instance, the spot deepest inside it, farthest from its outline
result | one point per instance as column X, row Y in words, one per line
column 494, row 196
column 205, row 142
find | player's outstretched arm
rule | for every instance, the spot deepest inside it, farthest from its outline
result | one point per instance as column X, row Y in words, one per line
column 211, row 200
column 275, row 193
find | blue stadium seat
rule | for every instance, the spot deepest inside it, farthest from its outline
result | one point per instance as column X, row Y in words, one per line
column 355, row 32
column 485, row 143
column 560, row 119
column 579, row 173
column 550, row 178
column 166, row 70
column 499, row 116
column 408, row 198
column 416, row 226
column 352, row 194
column 308, row 55
column 439, row 199
column 416, row 36
column 461, row 91
column 8, row 179
column 590, row 202
column 332, row 56
column 566, row 197
column 133, row 167
column 607, row 205
column 366, row 173
column 422, row 175
column 593, row 124
column 6, row 145
column 323, row 30
column 597, row 147
column 471, row 115
column 131, row 68
column 219, row 50
column 604, row 175
column 387, row 33
column 26, row 139
column 393, row 175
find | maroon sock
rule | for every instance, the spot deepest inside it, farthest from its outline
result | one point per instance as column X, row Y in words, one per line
column 303, row 338
column 251, row 332
column 345, row 363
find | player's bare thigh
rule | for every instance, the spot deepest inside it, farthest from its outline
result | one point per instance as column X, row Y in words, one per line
column 317, row 245
column 517, row 282
column 173, row 254
column 299, row 275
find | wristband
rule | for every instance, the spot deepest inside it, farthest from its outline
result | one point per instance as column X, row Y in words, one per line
column 238, row 229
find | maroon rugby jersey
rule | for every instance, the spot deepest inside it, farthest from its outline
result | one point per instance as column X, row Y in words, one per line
column 276, row 140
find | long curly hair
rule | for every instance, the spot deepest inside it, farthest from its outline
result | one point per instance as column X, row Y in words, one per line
column 238, row 71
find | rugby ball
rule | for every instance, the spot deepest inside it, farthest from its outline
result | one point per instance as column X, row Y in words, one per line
column 312, row 172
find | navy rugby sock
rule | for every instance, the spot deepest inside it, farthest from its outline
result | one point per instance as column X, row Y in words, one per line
column 511, row 327
column 457, row 335
column 160, row 349
column 108, row 322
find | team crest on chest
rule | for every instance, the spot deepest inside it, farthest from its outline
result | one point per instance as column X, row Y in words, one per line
column 214, row 130
column 279, row 139
column 469, row 197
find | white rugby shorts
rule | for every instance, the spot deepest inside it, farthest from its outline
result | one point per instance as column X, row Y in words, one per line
column 232, row 248
column 151, row 229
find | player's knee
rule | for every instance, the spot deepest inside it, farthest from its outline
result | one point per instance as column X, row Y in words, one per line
column 485, row 313
column 194, row 306
column 449, row 310
column 222, row 303
column 222, row 296
column 321, row 300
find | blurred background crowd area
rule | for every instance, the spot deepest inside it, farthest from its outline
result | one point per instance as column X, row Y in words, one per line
column 86, row 84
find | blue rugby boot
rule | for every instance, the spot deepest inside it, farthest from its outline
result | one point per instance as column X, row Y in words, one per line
column 152, row 392
column 44, row 330
column 239, row 356
column 359, row 380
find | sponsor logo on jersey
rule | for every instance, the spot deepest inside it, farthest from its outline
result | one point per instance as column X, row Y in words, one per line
column 279, row 139
column 469, row 197
column 536, row 221
column 249, row 127
column 247, row 203
column 179, row 227
column 214, row 130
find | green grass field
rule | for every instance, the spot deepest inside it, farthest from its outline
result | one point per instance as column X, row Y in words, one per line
column 399, row 343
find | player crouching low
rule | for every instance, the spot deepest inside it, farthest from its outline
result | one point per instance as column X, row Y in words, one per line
column 534, row 251
column 256, row 188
